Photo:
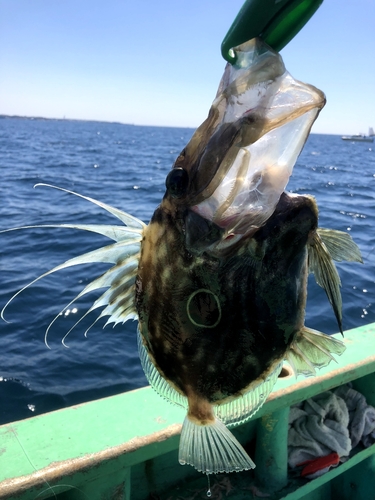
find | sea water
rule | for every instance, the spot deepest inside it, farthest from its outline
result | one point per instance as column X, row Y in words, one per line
column 125, row 166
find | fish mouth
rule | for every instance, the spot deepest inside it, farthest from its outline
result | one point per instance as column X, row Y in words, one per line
column 238, row 162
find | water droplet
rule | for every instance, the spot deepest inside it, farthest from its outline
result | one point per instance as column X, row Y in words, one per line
column 208, row 493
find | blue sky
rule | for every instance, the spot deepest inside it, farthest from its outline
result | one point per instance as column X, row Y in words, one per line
column 152, row 62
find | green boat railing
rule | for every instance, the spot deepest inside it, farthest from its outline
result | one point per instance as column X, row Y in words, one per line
column 125, row 446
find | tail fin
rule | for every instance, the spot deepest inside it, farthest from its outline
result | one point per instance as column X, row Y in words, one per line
column 212, row 448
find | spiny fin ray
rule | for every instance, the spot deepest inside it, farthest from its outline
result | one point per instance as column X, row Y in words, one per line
column 120, row 279
column 109, row 254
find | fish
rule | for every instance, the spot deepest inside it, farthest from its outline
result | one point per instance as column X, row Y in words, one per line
column 218, row 278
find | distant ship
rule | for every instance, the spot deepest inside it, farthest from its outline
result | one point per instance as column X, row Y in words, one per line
column 360, row 137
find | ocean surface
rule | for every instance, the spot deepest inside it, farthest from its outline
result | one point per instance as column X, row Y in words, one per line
column 125, row 166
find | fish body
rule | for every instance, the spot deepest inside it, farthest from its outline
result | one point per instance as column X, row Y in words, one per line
column 225, row 323
column 218, row 279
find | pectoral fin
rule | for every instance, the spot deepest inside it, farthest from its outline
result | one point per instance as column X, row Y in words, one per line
column 326, row 275
column 312, row 349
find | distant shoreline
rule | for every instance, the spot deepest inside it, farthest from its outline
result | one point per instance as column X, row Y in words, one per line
column 42, row 118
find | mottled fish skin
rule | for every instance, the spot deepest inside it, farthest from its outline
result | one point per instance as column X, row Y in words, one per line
column 215, row 325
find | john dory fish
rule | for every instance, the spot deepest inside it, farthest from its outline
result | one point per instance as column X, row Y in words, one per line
column 218, row 278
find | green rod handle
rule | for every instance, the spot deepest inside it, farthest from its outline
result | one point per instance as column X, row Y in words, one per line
column 276, row 22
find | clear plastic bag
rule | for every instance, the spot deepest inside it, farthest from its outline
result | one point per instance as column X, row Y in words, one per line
column 240, row 159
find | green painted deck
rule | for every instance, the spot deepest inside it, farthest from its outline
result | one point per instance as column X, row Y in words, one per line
column 125, row 446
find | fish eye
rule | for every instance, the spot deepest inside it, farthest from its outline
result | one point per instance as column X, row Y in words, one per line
column 177, row 182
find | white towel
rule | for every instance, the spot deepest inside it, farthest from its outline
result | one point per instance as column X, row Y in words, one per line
column 334, row 421
column 361, row 416
column 318, row 426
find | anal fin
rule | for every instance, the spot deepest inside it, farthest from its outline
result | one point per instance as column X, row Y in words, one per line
column 239, row 410
column 312, row 349
column 212, row 448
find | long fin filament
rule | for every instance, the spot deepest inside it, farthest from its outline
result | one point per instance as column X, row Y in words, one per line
column 126, row 218
column 118, row 299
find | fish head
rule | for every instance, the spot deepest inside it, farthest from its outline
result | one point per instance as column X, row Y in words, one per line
column 227, row 181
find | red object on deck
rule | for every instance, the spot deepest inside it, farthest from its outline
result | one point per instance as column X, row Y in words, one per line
column 317, row 464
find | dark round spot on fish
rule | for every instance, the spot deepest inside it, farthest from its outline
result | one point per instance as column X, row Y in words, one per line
column 177, row 182
column 203, row 309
